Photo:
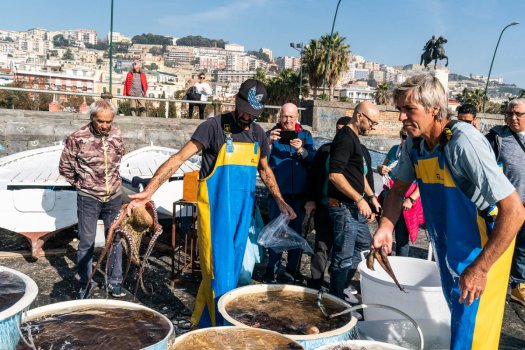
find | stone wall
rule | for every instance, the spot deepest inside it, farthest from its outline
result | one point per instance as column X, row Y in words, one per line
column 22, row 130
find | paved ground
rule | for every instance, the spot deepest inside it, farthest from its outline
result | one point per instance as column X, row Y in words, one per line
column 55, row 276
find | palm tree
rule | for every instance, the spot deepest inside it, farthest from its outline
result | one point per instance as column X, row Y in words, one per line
column 260, row 75
column 474, row 97
column 313, row 64
column 285, row 88
column 338, row 60
column 382, row 95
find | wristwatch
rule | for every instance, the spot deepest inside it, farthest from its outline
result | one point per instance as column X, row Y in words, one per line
column 412, row 200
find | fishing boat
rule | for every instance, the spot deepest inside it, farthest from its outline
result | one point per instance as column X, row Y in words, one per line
column 137, row 169
column 36, row 201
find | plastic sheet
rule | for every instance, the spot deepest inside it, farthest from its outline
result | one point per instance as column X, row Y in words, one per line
column 280, row 237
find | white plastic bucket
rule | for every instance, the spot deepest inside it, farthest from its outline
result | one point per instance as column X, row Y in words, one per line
column 10, row 318
column 361, row 344
column 423, row 300
column 67, row 306
column 308, row 341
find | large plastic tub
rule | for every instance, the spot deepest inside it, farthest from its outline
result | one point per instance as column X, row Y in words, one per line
column 314, row 341
column 361, row 344
column 11, row 317
column 423, row 300
column 228, row 329
column 67, row 306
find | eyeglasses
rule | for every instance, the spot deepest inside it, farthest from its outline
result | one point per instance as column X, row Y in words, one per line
column 514, row 113
column 466, row 121
column 370, row 120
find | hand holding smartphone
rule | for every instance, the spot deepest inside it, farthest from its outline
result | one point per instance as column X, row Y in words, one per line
column 287, row 136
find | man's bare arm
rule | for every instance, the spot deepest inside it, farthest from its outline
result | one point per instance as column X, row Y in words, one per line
column 511, row 215
column 164, row 172
column 268, row 177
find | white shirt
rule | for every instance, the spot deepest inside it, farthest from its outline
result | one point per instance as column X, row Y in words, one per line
column 204, row 89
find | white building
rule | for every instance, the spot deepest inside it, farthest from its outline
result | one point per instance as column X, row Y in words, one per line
column 357, row 93
column 234, row 47
column 119, row 38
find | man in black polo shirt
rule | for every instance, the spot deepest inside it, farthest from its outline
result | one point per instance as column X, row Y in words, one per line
column 349, row 193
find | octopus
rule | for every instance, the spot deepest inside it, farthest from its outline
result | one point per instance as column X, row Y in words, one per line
column 132, row 229
column 382, row 258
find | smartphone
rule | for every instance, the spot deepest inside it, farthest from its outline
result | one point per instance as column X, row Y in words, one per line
column 287, row 136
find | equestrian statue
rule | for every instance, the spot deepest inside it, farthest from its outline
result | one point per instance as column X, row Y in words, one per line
column 434, row 50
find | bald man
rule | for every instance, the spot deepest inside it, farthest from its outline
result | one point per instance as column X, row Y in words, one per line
column 350, row 197
column 289, row 160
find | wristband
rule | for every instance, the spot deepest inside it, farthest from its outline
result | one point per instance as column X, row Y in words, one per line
column 412, row 200
column 370, row 197
column 360, row 199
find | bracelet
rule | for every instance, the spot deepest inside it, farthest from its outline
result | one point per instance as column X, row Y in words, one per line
column 412, row 200
column 360, row 199
column 370, row 197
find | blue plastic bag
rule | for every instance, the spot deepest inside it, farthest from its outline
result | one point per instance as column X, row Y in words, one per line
column 253, row 252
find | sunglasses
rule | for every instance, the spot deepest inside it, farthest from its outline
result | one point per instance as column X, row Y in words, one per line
column 467, row 121
column 512, row 114
column 202, row 77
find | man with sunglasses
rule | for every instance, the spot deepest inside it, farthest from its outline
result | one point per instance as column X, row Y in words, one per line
column 508, row 142
column 349, row 193
column 204, row 89
column 467, row 114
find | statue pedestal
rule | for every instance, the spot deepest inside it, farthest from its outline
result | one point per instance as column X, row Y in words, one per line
column 442, row 74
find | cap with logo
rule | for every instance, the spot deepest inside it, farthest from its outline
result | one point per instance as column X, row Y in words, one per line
column 251, row 97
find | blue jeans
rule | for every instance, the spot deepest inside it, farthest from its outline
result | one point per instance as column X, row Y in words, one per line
column 401, row 233
column 294, row 255
column 517, row 271
column 351, row 237
column 88, row 212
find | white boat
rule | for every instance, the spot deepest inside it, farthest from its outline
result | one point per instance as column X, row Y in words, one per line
column 138, row 167
column 35, row 200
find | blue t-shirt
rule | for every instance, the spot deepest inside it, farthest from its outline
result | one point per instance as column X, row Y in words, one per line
column 471, row 162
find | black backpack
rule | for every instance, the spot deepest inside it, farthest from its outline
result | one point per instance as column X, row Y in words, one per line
column 192, row 94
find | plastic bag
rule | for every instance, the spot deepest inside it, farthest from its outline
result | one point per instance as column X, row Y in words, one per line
column 280, row 237
column 253, row 252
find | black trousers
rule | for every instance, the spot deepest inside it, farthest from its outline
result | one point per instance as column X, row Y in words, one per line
column 323, row 245
column 201, row 110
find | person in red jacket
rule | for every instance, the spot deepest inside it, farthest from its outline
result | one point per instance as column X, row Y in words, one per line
column 136, row 85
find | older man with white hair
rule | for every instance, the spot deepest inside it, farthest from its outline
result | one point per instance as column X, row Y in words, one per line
column 472, row 211
column 290, row 157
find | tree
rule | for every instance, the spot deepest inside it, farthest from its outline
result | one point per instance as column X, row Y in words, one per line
column 312, row 64
column 260, row 55
column 153, row 66
column 474, row 97
column 261, row 76
column 68, row 55
column 382, row 95
column 338, row 60
column 285, row 88
column 152, row 39
column 200, row 41
column 60, row 41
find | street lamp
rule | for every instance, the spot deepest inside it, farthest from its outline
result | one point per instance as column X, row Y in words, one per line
column 299, row 47
column 490, row 70
column 111, row 52
column 329, row 47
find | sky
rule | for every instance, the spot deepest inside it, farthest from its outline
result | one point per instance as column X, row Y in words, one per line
column 383, row 31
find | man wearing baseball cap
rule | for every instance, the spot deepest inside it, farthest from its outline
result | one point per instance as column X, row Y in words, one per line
column 233, row 149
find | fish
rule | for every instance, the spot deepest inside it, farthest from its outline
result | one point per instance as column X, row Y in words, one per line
column 382, row 258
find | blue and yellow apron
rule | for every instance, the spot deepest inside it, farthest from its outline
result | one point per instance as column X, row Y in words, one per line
column 225, row 205
column 458, row 232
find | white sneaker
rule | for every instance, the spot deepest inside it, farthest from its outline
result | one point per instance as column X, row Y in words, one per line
column 352, row 299
column 350, row 291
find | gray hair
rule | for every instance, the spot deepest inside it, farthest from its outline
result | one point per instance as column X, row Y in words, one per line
column 426, row 91
column 514, row 102
column 99, row 106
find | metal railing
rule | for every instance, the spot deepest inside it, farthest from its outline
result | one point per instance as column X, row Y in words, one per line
column 217, row 104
